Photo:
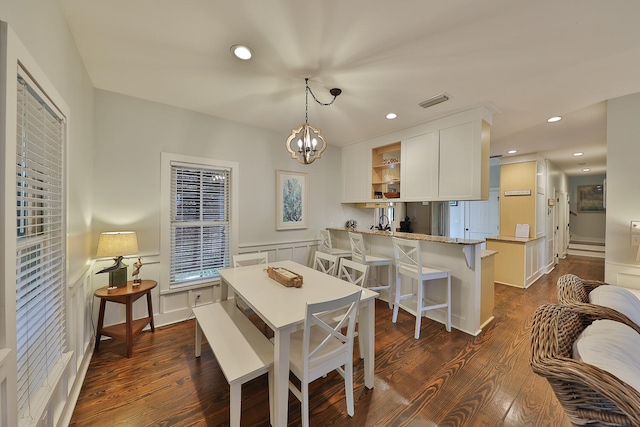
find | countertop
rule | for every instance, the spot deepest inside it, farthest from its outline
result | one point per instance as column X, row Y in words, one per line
column 487, row 253
column 513, row 239
column 411, row 236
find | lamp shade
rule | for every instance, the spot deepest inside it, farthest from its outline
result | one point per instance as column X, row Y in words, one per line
column 113, row 244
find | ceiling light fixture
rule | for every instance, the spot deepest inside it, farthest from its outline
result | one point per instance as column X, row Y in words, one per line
column 434, row 100
column 578, row 154
column 554, row 119
column 512, row 151
column 241, row 52
column 391, row 116
column 306, row 143
column 586, row 170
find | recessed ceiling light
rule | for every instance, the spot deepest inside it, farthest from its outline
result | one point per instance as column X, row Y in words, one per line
column 391, row 116
column 512, row 151
column 578, row 154
column 554, row 119
column 241, row 52
column 586, row 170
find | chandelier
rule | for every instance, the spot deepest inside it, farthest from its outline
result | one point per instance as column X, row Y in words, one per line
column 306, row 143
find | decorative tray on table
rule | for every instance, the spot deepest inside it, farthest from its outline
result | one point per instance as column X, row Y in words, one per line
column 285, row 277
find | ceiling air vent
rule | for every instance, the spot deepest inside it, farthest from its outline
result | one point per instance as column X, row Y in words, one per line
column 434, row 100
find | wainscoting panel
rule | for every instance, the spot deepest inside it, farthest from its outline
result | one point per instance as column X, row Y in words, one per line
column 625, row 275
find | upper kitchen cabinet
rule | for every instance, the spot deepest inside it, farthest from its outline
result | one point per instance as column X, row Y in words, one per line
column 446, row 159
column 355, row 174
column 464, row 162
column 420, row 156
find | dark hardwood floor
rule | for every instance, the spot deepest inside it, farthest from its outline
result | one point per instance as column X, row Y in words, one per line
column 442, row 379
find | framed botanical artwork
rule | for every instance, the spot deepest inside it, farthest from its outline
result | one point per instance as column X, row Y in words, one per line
column 591, row 198
column 291, row 200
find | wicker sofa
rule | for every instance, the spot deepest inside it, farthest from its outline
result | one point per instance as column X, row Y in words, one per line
column 574, row 292
column 588, row 394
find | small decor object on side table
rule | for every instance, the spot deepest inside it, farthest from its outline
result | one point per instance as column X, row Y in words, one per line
column 116, row 273
column 136, row 272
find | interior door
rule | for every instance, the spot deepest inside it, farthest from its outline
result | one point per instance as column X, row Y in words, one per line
column 482, row 217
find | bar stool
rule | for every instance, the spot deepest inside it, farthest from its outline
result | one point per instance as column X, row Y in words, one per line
column 327, row 247
column 358, row 254
column 408, row 258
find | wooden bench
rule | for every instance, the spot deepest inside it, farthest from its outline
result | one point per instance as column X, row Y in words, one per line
column 242, row 351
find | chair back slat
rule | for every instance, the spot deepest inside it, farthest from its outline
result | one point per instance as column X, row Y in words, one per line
column 358, row 252
column 325, row 242
column 353, row 272
column 243, row 260
column 325, row 263
column 320, row 351
column 407, row 254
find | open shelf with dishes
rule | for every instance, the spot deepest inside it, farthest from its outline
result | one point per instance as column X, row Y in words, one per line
column 385, row 171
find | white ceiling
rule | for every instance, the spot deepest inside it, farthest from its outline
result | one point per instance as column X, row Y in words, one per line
column 526, row 61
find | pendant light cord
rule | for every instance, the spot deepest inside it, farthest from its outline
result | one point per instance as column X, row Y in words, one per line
column 306, row 80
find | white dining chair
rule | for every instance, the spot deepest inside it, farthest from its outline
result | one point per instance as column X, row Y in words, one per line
column 359, row 254
column 321, row 348
column 327, row 247
column 244, row 260
column 408, row 260
column 253, row 258
column 325, row 263
column 354, row 273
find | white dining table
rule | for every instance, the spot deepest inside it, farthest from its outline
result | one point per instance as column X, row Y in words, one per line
column 283, row 310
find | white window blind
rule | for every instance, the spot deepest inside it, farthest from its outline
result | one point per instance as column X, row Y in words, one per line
column 40, row 234
column 200, row 235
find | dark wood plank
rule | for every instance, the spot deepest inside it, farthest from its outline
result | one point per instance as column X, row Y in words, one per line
column 444, row 379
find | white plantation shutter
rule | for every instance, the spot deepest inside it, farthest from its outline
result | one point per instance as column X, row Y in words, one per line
column 200, row 235
column 40, row 249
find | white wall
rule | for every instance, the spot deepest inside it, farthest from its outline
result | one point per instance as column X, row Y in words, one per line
column 623, row 193
column 130, row 135
column 41, row 27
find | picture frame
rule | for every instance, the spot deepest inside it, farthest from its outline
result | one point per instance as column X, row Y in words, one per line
column 591, row 198
column 291, row 200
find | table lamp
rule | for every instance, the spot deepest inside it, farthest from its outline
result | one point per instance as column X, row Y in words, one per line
column 117, row 244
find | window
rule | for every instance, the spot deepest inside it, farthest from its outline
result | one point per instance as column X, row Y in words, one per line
column 200, row 230
column 40, row 246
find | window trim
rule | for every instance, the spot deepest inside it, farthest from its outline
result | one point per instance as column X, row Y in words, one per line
column 166, row 159
column 14, row 54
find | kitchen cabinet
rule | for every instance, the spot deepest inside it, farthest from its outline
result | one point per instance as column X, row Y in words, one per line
column 448, row 164
column 420, row 156
column 355, row 173
column 447, row 159
column 385, row 170
column 519, row 260
column 464, row 162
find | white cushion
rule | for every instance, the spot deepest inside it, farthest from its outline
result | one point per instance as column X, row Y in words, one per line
column 620, row 299
column 613, row 347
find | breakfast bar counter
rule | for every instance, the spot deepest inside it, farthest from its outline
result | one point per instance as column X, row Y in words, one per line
column 472, row 303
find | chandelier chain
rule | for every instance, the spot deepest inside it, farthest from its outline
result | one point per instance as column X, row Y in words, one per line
column 314, row 97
